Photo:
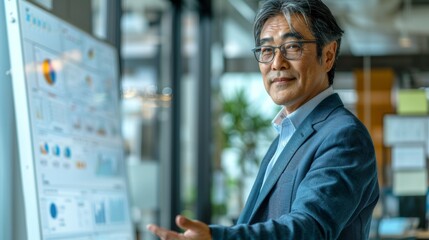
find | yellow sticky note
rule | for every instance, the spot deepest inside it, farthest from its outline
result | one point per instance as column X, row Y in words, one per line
column 412, row 101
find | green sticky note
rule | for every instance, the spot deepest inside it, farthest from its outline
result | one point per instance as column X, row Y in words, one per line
column 412, row 101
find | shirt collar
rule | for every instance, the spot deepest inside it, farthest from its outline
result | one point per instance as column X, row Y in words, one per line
column 298, row 116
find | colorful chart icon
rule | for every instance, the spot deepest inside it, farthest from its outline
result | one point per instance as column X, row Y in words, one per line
column 80, row 165
column 57, row 151
column 44, row 149
column 49, row 72
column 67, row 152
column 53, row 211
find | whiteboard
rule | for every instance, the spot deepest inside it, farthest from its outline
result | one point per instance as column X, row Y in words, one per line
column 66, row 96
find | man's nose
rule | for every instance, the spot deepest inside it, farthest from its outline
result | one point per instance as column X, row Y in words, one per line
column 279, row 62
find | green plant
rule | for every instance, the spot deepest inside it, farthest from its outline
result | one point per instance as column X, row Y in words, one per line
column 243, row 128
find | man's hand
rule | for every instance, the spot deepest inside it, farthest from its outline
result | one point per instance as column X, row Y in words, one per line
column 194, row 230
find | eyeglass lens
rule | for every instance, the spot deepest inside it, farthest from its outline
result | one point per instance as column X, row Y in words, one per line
column 290, row 51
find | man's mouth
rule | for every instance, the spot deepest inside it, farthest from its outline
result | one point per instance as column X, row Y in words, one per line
column 282, row 80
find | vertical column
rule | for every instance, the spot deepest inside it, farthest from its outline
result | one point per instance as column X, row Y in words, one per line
column 204, row 138
column 113, row 25
column 374, row 90
column 176, row 74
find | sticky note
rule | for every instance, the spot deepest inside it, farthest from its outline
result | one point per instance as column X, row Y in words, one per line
column 412, row 101
column 409, row 156
column 410, row 183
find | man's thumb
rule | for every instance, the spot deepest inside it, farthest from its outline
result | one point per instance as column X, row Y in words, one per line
column 184, row 222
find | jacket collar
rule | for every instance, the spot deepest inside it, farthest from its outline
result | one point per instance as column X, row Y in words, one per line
column 307, row 128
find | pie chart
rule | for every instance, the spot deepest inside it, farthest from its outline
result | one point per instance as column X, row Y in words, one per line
column 53, row 211
column 67, row 152
column 49, row 72
column 44, row 149
column 57, row 151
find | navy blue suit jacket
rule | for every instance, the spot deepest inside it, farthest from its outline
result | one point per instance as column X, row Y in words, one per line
column 323, row 185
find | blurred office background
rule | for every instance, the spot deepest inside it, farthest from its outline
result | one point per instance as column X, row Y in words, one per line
column 196, row 117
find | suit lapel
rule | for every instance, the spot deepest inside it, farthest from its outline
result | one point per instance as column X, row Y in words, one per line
column 253, row 196
column 304, row 131
column 284, row 159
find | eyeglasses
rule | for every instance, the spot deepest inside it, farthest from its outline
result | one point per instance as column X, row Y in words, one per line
column 290, row 51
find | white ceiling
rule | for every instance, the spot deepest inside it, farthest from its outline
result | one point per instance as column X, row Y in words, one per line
column 383, row 27
column 372, row 27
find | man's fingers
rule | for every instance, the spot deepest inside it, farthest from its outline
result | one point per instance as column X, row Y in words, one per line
column 194, row 229
column 182, row 222
column 163, row 233
column 186, row 223
column 194, row 225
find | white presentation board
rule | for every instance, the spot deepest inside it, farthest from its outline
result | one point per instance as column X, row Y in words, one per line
column 65, row 86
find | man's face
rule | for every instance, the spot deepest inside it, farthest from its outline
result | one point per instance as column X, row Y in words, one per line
column 292, row 83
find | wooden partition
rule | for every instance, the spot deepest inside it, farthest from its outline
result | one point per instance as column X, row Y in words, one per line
column 374, row 90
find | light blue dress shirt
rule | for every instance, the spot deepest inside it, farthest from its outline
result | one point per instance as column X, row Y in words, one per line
column 286, row 125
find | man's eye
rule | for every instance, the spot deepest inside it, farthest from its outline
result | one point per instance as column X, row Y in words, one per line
column 266, row 50
column 292, row 47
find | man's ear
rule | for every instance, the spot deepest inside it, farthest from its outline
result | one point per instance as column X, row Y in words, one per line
column 329, row 53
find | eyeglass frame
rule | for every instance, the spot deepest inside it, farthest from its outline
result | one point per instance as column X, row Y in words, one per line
column 300, row 42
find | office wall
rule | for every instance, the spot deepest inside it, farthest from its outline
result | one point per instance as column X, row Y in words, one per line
column 77, row 12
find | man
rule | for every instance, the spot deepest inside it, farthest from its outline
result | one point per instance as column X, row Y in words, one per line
column 318, row 179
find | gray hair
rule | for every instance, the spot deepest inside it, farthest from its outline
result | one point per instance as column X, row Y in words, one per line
column 315, row 14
